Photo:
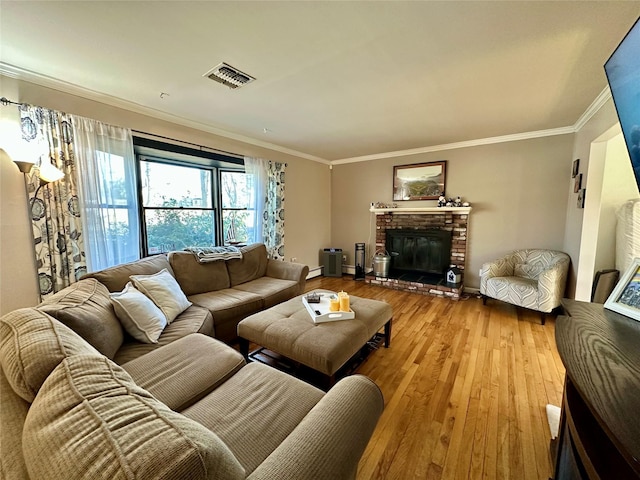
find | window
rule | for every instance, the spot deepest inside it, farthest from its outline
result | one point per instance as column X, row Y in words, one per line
column 238, row 214
column 177, row 205
column 190, row 198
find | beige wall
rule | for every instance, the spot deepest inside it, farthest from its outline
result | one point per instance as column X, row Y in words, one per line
column 307, row 190
column 618, row 186
column 518, row 192
column 581, row 237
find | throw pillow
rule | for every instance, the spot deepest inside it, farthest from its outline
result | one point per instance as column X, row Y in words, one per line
column 163, row 289
column 85, row 307
column 139, row 315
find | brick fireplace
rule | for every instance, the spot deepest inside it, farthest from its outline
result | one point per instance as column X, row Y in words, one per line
column 452, row 219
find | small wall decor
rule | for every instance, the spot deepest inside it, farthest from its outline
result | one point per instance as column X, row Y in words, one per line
column 578, row 183
column 576, row 167
column 420, row 181
column 581, row 195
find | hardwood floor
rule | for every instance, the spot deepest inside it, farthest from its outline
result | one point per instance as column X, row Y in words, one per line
column 465, row 388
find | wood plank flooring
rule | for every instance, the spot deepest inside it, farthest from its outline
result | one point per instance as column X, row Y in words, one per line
column 465, row 388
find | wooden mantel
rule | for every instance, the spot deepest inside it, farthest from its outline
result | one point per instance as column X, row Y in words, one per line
column 409, row 210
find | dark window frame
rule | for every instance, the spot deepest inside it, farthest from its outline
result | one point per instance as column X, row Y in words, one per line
column 171, row 154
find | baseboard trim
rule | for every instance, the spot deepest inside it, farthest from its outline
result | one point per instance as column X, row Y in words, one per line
column 314, row 272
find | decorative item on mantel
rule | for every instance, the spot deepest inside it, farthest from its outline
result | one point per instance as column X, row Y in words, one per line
column 451, row 202
column 384, row 205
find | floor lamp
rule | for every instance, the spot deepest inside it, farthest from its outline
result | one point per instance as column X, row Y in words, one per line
column 48, row 174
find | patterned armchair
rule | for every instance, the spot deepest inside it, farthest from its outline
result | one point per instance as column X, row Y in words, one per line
column 534, row 279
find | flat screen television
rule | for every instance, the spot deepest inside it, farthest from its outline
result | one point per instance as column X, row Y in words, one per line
column 623, row 74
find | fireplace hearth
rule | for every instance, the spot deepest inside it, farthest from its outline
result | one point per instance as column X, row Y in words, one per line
column 423, row 244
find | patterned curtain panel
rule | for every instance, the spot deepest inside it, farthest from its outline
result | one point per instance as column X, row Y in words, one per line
column 273, row 228
column 57, row 228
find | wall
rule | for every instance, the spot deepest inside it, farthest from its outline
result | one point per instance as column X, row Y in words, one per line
column 18, row 284
column 618, row 186
column 580, row 237
column 307, row 193
column 517, row 192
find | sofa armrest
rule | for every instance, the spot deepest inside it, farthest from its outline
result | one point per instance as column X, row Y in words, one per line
column 331, row 438
column 498, row 268
column 552, row 282
column 288, row 271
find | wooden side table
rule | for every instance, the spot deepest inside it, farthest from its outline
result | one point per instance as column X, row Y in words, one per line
column 600, row 421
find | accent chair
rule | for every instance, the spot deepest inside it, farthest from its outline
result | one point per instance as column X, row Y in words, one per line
column 530, row 278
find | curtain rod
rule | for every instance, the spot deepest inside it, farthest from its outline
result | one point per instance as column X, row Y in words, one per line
column 5, row 101
column 201, row 147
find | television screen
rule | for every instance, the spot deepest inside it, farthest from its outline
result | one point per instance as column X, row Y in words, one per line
column 623, row 73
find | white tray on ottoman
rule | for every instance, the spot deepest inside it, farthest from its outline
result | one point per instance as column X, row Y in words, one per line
column 320, row 312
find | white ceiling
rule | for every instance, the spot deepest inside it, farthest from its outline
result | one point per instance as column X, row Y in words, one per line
column 335, row 80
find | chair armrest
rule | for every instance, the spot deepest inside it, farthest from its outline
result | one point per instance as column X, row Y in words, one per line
column 552, row 282
column 498, row 268
column 288, row 271
column 330, row 440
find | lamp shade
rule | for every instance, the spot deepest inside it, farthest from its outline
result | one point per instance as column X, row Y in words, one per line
column 49, row 173
column 24, row 167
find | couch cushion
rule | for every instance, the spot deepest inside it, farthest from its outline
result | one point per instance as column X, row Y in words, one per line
column 515, row 290
column 272, row 290
column 115, row 278
column 86, row 308
column 163, row 289
column 195, row 277
column 194, row 319
column 252, row 265
column 182, row 372
column 141, row 318
column 90, row 420
column 228, row 307
column 32, row 344
column 13, row 411
column 255, row 410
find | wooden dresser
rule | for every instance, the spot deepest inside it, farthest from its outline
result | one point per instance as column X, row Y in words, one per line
column 599, row 434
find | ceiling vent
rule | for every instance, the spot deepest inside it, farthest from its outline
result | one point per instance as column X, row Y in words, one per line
column 229, row 76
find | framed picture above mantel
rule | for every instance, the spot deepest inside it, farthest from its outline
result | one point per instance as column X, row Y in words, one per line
column 419, row 181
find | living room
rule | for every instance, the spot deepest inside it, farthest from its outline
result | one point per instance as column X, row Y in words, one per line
column 519, row 183
column 526, row 198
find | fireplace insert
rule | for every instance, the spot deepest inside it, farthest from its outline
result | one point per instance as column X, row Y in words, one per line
column 419, row 252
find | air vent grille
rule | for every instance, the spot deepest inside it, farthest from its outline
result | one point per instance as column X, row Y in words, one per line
column 229, row 76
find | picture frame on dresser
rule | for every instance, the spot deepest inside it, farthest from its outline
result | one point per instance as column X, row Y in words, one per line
column 625, row 297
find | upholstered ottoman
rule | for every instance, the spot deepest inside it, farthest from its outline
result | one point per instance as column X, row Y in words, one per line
column 287, row 329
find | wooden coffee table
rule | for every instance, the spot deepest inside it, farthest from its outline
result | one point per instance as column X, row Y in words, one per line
column 288, row 330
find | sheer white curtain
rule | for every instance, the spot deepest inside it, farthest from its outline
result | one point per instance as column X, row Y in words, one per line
column 107, row 191
column 258, row 168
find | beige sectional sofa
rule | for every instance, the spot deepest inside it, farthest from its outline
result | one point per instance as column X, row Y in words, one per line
column 80, row 400
column 229, row 289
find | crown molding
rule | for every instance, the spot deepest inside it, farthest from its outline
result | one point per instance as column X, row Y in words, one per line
column 452, row 146
column 73, row 89
column 595, row 106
